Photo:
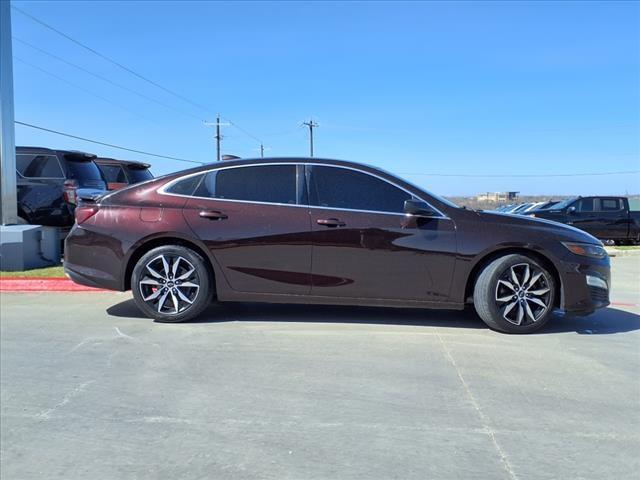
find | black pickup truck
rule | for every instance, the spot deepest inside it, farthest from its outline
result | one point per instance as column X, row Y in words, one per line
column 606, row 218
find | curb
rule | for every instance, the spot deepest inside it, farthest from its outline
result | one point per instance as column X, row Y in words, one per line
column 614, row 252
column 25, row 284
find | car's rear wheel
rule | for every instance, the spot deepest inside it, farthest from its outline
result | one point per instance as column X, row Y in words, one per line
column 514, row 294
column 172, row 283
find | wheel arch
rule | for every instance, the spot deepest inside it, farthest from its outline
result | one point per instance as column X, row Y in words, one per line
column 489, row 257
column 149, row 244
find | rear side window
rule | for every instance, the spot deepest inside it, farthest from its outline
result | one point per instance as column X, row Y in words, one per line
column 113, row 173
column 39, row 166
column 610, row 204
column 342, row 188
column 83, row 170
column 260, row 183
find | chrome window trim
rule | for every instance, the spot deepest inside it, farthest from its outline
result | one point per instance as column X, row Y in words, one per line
column 162, row 190
column 63, row 177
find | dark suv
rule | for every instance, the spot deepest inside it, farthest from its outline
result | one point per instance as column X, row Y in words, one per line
column 49, row 183
column 122, row 173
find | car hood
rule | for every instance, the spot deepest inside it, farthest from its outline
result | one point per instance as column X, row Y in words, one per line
column 541, row 225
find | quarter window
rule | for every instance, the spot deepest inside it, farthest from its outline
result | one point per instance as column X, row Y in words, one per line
column 38, row 166
column 260, row 183
column 336, row 187
column 186, row 186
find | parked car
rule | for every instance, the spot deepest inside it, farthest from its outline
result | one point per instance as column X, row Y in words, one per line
column 328, row 232
column 122, row 173
column 49, row 183
column 606, row 218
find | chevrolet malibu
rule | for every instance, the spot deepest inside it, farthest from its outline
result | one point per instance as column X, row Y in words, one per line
column 328, row 232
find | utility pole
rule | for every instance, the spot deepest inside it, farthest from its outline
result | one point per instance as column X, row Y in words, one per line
column 218, row 136
column 261, row 150
column 311, row 124
column 8, row 198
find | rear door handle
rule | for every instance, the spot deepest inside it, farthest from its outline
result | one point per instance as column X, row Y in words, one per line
column 330, row 222
column 213, row 215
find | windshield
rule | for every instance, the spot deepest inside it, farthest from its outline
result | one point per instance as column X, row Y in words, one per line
column 563, row 203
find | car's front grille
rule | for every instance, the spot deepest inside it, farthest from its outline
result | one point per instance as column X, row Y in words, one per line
column 599, row 295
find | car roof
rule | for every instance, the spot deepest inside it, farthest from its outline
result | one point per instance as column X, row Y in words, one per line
column 51, row 151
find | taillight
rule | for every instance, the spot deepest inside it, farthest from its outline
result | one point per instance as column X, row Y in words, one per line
column 69, row 191
column 85, row 213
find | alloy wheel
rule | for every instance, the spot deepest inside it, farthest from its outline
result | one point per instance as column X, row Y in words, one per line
column 523, row 294
column 170, row 284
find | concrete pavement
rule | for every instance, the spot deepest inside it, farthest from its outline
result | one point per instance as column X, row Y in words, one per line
column 90, row 389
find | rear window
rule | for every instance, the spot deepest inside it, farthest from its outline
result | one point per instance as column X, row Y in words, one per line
column 83, row 171
column 113, row 173
column 137, row 175
column 38, row 166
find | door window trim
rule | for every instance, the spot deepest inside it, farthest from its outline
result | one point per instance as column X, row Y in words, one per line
column 163, row 190
column 41, row 155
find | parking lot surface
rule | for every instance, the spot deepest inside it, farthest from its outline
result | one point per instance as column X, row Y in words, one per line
column 91, row 389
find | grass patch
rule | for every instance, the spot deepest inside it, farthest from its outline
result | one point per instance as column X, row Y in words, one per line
column 627, row 247
column 47, row 272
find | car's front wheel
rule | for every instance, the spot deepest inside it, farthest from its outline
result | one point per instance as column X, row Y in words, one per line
column 171, row 283
column 514, row 294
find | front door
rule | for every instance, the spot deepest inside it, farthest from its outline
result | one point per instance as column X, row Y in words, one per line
column 364, row 246
column 253, row 221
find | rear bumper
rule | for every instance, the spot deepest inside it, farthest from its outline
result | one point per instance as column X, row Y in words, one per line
column 92, row 259
column 586, row 285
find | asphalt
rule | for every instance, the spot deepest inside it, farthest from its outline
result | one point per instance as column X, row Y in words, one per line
column 90, row 389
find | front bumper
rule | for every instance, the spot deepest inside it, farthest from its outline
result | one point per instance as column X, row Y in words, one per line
column 586, row 284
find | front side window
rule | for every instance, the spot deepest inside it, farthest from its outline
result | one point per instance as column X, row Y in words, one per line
column 259, row 183
column 38, row 166
column 336, row 187
column 113, row 173
column 585, row 205
column 610, row 204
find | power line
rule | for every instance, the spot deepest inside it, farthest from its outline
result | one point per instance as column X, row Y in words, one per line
column 107, row 144
column 108, row 59
column 528, row 175
column 105, row 79
column 47, row 72
column 129, row 70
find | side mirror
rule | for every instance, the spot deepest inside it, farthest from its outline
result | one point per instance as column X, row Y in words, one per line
column 419, row 209
column 571, row 210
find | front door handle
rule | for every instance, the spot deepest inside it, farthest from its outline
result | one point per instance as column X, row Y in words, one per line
column 213, row 215
column 330, row 222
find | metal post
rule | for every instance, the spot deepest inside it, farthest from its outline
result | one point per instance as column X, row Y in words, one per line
column 218, row 138
column 311, row 124
column 8, row 197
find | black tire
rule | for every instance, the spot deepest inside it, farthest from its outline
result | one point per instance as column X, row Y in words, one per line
column 491, row 289
column 173, row 309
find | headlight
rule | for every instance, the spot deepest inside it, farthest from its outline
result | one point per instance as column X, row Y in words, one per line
column 586, row 249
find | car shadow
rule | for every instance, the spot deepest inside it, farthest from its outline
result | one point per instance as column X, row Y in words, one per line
column 607, row 321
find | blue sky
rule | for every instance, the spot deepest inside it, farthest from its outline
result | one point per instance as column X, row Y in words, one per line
column 438, row 88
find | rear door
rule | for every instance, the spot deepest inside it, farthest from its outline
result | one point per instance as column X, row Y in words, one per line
column 613, row 218
column 255, row 221
column 364, row 246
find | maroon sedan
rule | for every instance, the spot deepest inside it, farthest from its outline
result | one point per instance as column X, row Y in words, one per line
column 328, row 232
